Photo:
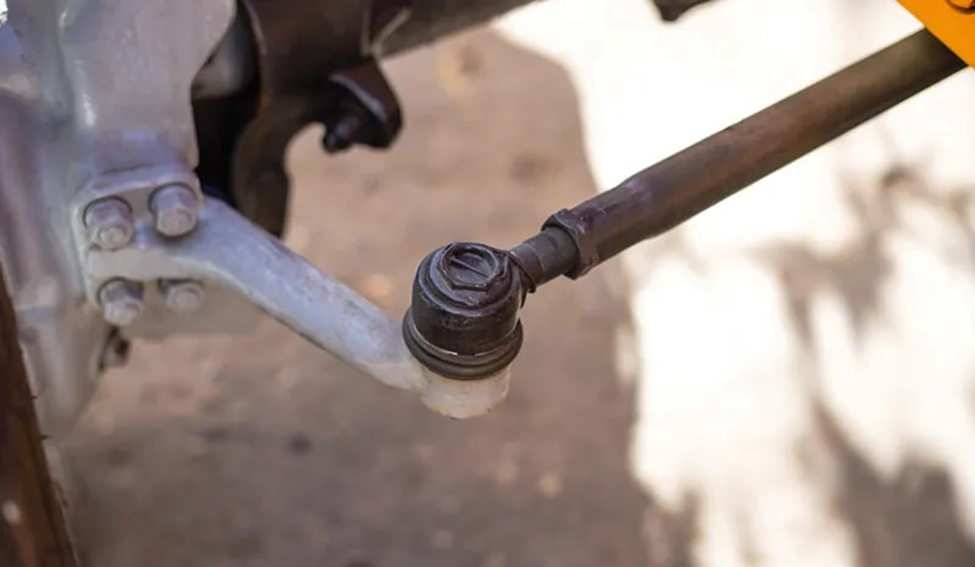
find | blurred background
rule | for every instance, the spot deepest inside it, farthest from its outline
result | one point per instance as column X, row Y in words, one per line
column 684, row 406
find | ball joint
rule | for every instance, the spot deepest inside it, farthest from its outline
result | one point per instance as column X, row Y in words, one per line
column 463, row 322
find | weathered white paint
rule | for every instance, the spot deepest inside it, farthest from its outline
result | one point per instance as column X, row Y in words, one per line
column 730, row 394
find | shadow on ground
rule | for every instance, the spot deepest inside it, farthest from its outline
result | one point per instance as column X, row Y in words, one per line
column 910, row 519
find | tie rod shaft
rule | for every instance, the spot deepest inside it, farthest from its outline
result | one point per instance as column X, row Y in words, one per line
column 464, row 318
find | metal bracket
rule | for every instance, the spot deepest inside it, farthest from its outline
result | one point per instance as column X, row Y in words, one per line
column 228, row 250
column 222, row 312
column 134, row 188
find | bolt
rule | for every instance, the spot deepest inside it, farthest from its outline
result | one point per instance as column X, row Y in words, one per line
column 121, row 301
column 345, row 132
column 183, row 296
column 472, row 267
column 175, row 208
column 963, row 4
column 109, row 223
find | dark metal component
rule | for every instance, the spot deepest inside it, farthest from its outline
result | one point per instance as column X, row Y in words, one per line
column 220, row 121
column 345, row 131
column 219, row 124
column 458, row 366
column 385, row 17
column 463, row 322
column 543, row 257
column 470, row 274
column 302, row 42
column 368, row 112
column 671, row 10
column 301, row 45
column 580, row 229
column 674, row 190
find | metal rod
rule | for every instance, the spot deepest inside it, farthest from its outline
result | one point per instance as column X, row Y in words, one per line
column 681, row 186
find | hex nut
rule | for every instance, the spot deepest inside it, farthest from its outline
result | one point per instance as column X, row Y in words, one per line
column 183, row 296
column 121, row 301
column 175, row 209
column 109, row 224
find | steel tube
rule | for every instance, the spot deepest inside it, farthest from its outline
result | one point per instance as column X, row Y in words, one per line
column 681, row 186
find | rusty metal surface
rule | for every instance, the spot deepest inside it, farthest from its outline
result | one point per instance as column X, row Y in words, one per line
column 300, row 45
column 685, row 184
column 32, row 529
column 367, row 110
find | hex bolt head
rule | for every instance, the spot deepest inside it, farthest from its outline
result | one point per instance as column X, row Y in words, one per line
column 109, row 223
column 175, row 208
column 121, row 301
column 472, row 267
column 183, row 296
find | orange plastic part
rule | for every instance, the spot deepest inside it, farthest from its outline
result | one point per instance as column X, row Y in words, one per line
column 951, row 21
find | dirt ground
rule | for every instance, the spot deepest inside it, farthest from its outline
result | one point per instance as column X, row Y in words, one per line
column 259, row 450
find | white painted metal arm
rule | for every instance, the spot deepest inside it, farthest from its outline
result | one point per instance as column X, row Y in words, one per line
column 229, row 250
